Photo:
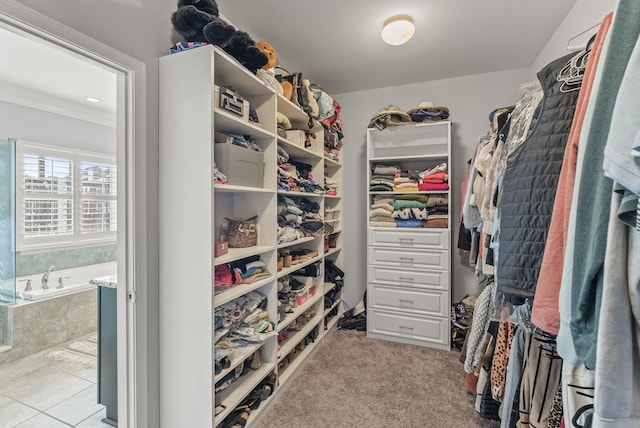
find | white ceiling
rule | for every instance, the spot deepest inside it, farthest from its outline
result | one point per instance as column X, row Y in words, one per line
column 39, row 75
column 337, row 42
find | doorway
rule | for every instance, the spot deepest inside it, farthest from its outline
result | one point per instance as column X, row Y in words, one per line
column 106, row 243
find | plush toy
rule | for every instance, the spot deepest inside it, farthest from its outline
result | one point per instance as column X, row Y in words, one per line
column 199, row 21
column 287, row 89
column 271, row 54
column 267, row 73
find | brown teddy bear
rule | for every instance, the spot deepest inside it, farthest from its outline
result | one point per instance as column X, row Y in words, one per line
column 267, row 72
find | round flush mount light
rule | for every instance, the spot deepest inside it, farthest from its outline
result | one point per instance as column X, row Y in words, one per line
column 93, row 99
column 398, row 29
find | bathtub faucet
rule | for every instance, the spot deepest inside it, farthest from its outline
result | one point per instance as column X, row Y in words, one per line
column 45, row 278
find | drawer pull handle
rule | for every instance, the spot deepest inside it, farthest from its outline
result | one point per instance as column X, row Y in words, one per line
column 406, row 239
column 406, row 301
column 406, row 259
column 406, row 327
column 405, row 278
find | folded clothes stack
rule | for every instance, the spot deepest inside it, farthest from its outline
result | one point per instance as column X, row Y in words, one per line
column 294, row 176
column 298, row 217
column 381, row 213
column 243, row 271
column 435, row 178
column 406, row 181
column 382, row 178
column 409, row 211
column 331, row 186
column 428, row 111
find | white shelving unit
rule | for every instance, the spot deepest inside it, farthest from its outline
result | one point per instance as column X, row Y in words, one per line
column 408, row 269
column 290, row 357
column 192, row 211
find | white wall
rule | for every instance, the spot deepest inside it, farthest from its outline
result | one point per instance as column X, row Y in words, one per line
column 470, row 100
column 142, row 30
column 583, row 15
column 37, row 126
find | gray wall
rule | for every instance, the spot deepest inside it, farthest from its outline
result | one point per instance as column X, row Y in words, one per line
column 37, row 126
column 142, row 30
column 583, row 15
column 470, row 99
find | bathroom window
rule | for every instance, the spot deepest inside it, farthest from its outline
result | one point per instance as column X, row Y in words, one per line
column 66, row 198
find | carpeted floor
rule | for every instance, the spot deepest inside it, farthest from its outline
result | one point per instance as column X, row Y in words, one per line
column 352, row 381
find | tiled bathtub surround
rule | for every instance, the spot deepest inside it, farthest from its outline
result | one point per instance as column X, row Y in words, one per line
column 42, row 325
column 30, row 264
column 3, row 316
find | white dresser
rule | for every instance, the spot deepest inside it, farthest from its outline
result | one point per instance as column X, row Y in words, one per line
column 408, row 268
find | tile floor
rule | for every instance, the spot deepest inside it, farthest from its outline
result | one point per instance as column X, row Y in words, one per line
column 41, row 392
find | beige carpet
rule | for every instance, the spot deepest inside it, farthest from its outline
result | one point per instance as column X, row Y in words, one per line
column 352, row 381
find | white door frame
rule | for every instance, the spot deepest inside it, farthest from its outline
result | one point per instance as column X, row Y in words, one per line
column 133, row 394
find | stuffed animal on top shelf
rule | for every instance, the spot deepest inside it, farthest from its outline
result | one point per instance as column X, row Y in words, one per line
column 199, row 21
column 267, row 72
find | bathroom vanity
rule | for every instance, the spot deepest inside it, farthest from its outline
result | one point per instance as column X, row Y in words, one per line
column 107, row 346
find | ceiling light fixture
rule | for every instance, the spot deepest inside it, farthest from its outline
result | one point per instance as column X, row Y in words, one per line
column 93, row 99
column 398, row 29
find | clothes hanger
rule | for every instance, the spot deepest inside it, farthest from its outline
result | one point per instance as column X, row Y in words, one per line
column 572, row 73
column 572, row 47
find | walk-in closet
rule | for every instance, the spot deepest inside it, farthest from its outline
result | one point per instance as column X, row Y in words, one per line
column 338, row 214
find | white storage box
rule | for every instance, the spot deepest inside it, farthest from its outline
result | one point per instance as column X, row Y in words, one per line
column 296, row 136
column 242, row 166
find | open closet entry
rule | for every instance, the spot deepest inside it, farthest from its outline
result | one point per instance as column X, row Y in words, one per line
column 127, row 119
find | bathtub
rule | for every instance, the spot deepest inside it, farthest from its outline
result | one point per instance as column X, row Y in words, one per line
column 74, row 280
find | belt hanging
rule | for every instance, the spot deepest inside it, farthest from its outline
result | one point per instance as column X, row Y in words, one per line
column 638, row 216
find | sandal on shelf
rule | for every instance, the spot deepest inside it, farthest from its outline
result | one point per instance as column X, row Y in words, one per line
column 239, row 417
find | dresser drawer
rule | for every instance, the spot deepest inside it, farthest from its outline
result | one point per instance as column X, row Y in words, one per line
column 425, row 302
column 420, row 259
column 420, row 238
column 429, row 330
column 435, row 280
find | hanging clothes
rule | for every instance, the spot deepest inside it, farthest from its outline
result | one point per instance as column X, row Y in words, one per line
column 528, row 189
column 546, row 314
column 520, row 121
column 510, row 401
column 522, row 117
column 617, row 373
column 593, row 194
column 541, row 373
column 577, row 395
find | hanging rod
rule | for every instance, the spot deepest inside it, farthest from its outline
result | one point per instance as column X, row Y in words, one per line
column 580, row 46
